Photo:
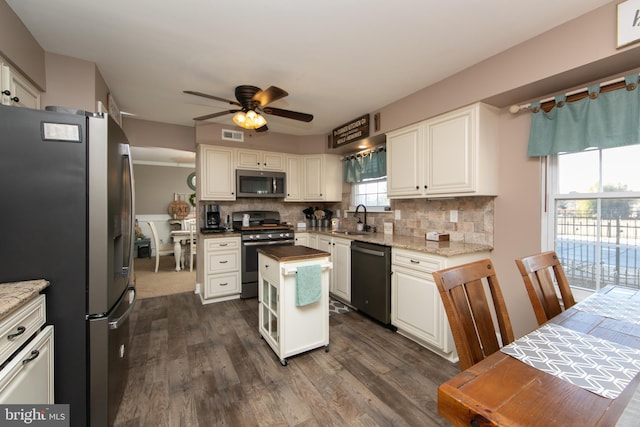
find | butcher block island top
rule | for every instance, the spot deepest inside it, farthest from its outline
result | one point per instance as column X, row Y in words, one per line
column 16, row 294
column 292, row 253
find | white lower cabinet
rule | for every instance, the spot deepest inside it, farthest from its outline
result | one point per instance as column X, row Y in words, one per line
column 221, row 269
column 27, row 377
column 302, row 239
column 340, row 250
column 416, row 306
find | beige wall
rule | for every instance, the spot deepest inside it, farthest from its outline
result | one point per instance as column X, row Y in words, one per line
column 18, row 46
column 71, row 83
column 155, row 187
column 145, row 133
column 211, row 134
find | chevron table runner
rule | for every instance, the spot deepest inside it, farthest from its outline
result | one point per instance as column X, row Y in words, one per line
column 597, row 365
column 619, row 304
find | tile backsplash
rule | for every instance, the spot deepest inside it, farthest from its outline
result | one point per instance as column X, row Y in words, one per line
column 475, row 222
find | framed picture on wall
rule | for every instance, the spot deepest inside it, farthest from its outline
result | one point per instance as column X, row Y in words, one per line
column 628, row 22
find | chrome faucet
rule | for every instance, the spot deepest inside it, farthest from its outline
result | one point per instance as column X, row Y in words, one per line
column 355, row 215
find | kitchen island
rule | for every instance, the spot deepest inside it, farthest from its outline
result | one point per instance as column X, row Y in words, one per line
column 293, row 297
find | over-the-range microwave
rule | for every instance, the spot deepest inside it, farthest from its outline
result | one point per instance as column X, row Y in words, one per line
column 254, row 183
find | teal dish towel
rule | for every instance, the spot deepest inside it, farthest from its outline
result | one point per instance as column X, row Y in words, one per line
column 308, row 284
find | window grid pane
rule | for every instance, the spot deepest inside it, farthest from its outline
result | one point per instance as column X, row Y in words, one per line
column 371, row 192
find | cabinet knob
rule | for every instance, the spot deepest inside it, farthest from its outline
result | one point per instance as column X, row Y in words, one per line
column 425, row 187
column 6, row 92
column 417, row 187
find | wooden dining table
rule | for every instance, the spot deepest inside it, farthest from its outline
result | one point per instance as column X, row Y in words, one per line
column 504, row 391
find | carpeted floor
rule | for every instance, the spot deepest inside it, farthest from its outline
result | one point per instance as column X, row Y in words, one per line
column 166, row 281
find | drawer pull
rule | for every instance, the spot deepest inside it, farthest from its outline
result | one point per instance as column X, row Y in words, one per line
column 224, row 284
column 224, row 262
column 21, row 330
column 33, row 356
column 413, row 261
column 224, row 244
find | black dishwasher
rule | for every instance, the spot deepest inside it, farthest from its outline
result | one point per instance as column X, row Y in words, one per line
column 371, row 280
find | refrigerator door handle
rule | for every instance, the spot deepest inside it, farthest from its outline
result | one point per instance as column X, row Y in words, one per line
column 116, row 323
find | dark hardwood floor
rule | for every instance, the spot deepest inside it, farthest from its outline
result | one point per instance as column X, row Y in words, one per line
column 195, row 365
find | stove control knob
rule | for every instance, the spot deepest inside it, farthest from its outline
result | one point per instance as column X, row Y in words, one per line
column 269, row 236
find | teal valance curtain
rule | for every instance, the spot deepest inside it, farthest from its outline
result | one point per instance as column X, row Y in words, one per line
column 601, row 120
column 358, row 167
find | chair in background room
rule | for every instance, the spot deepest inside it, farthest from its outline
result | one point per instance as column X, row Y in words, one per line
column 156, row 242
column 192, row 243
column 539, row 273
column 462, row 289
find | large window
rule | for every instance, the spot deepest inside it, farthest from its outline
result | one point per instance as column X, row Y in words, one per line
column 594, row 216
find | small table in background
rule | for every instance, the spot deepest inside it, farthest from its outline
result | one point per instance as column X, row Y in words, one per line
column 178, row 237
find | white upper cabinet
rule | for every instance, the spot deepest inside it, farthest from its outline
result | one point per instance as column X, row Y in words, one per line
column 322, row 178
column 260, row 160
column 294, row 178
column 312, row 177
column 454, row 154
column 15, row 89
column 216, row 173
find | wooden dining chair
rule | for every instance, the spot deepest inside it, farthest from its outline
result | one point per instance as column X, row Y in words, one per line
column 539, row 273
column 462, row 289
column 156, row 242
column 192, row 243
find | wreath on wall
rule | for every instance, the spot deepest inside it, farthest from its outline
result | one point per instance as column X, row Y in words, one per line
column 192, row 199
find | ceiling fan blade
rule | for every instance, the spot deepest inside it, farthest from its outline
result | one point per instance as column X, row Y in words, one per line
column 218, row 114
column 262, row 128
column 217, row 98
column 269, row 95
column 303, row 117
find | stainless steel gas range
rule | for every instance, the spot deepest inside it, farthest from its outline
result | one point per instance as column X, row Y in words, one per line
column 258, row 229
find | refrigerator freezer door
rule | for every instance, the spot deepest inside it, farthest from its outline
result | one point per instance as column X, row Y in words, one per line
column 111, row 219
column 109, row 361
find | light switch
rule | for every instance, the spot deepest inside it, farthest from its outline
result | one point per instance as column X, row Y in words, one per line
column 453, row 216
column 397, row 213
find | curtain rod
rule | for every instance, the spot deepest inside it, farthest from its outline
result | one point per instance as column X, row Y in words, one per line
column 366, row 151
column 575, row 95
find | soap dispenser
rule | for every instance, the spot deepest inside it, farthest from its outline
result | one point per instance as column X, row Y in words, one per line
column 360, row 225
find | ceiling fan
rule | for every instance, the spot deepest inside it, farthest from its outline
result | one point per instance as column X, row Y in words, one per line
column 252, row 101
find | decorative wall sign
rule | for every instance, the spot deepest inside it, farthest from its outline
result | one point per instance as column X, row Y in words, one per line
column 350, row 132
column 628, row 22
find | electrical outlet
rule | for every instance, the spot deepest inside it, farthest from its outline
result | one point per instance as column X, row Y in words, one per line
column 338, row 213
column 397, row 213
column 453, row 216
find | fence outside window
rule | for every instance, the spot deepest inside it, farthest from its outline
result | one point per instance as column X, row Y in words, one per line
column 597, row 251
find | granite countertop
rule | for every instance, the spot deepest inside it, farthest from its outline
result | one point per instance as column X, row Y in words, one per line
column 292, row 253
column 16, row 294
column 448, row 249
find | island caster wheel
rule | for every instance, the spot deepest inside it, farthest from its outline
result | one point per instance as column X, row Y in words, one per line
column 326, row 348
column 283, row 362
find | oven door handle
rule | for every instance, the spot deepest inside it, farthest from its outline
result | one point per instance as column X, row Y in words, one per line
column 268, row 242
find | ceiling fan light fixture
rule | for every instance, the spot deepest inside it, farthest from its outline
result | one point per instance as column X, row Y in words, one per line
column 249, row 120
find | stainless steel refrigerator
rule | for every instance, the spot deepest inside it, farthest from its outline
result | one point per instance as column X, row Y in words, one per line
column 67, row 217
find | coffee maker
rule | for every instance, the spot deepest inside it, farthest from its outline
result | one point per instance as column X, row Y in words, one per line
column 212, row 217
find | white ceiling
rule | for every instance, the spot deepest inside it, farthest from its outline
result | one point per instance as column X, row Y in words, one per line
column 337, row 59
